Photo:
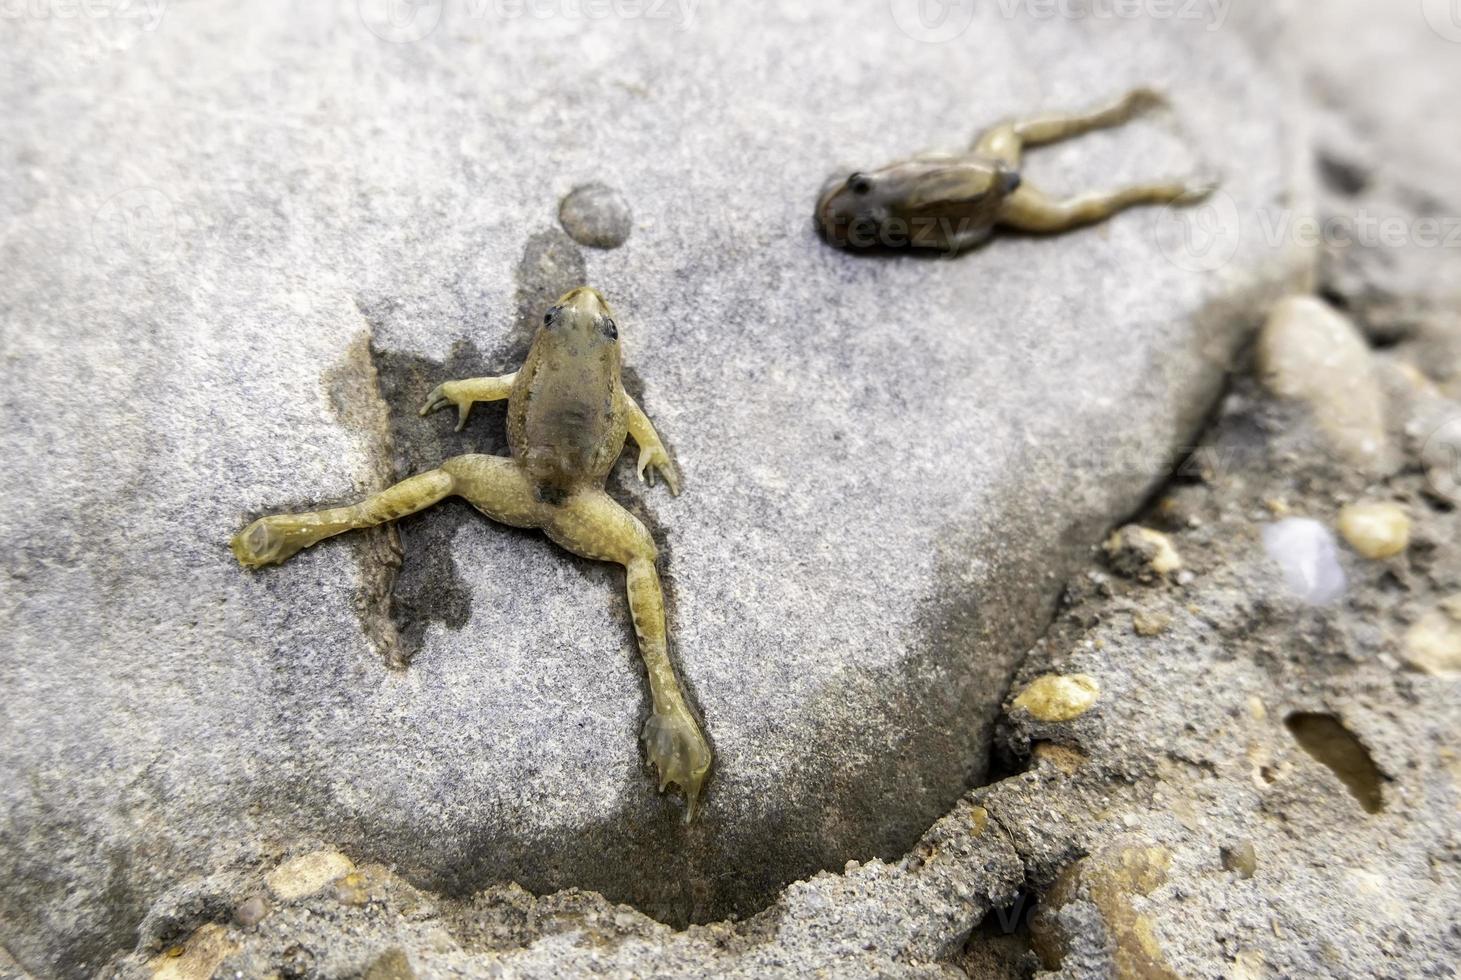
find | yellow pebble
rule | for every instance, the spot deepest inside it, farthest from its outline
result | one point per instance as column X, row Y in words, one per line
column 307, row 874
column 1150, row 623
column 1059, row 697
column 1375, row 530
column 1433, row 645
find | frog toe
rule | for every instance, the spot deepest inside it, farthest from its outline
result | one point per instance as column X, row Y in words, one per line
column 678, row 750
column 264, row 542
column 1201, row 187
column 1144, row 98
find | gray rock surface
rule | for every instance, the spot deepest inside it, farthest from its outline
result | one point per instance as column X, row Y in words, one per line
column 1262, row 788
column 241, row 244
column 1382, row 82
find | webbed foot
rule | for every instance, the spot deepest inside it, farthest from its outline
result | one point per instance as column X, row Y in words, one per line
column 269, row 541
column 680, row 753
column 1143, row 99
column 1200, row 188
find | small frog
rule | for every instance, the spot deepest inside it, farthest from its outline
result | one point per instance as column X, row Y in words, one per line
column 567, row 416
column 954, row 202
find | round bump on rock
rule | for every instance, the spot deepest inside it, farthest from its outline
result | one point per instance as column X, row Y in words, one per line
column 1058, row 697
column 596, row 215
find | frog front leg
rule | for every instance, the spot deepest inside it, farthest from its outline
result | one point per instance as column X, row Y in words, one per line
column 652, row 452
column 591, row 524
column 464, row 394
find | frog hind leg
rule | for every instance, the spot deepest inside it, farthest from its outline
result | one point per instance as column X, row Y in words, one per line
column 1055, row 126
column 1029, row 209
column 493, row 484
column 1006, row 141
column 589, row 523
column 1003, row 143
column 271, row 540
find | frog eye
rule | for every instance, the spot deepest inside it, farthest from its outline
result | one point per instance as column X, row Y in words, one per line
column 610, row 329
column 548, row 317
column 859, row 183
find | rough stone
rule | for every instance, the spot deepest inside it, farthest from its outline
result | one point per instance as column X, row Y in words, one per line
column 1434, row 643
column 1383, row 87
column 1121, row 820
column 198, row 958
column 1310, row 354
column 242, row 245
column 307, row 874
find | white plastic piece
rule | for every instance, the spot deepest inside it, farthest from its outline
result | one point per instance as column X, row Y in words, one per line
column 1309, row 558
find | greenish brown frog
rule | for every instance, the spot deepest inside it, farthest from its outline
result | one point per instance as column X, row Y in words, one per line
column 567, row 418
column 954, row 202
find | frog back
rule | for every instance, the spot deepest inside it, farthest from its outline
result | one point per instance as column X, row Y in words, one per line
column 565, row 418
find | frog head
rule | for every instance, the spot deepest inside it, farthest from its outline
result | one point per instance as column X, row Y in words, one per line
column 915, row 202
column 581, row 319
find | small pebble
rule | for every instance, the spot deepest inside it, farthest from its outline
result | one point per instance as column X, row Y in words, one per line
column 353, row 889
column 251, row 911
column 1058, row 697
column 1240, row 857
column 1141, row 553
column 1062, row 757
column 393, row 964
column 198, row 958
column 1248, row 965
column 307, row 874
column 1150, row 623
column 1308, row 556
column 596, row 215
column 1310, row 354
column 1433, row 644
column 1375, row 530
column 1440, row 455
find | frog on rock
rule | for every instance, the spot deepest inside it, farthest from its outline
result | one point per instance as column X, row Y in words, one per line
column 568, row 415
column 954, row 201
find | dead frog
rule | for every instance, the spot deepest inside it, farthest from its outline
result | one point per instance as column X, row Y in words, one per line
column 567, row 418
column 953, row 202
